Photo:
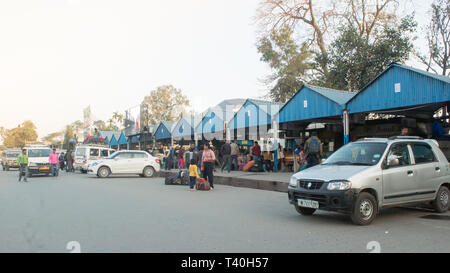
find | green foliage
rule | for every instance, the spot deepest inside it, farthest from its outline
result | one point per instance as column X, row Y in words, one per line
column 354, row 61
column 166, row 103
column 288, row 61
column 20, row 136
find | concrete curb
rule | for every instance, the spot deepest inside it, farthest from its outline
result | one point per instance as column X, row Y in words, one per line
column 242, row 182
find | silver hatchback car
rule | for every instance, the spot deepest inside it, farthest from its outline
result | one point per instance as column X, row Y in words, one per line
column 364, row 176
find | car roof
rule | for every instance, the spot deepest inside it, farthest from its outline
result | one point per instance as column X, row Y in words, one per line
column 396, row 139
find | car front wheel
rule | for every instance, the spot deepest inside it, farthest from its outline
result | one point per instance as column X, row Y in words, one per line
column 103, row 172
column 148, row 171
column 441, row 204
column 365, row 209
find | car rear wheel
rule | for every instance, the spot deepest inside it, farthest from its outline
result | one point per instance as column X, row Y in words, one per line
column 305, row 211
column 441, row 203
column 365, row 209
column 103, row 172
column 148, row 171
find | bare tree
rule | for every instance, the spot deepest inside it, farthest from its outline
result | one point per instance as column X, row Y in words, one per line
column 438, row 38
column 322, row 18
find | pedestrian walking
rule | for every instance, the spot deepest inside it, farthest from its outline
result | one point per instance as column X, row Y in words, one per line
column 69, row 161
column 193, row 174
column 62, row 161
column 208, row 159
column 234, row 155
column 22, row 160
column 225, row 152
column 54, row 163
column 313, row 150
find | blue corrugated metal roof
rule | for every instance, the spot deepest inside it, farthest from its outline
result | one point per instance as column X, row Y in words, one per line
column 401, row 86
column 122, row 139
column 213, row 121
column 164, row 130
column 185, row 126
column 313, row 102
column 341, row 97
column 254, row 113
column 107, row 135
column 113, row 141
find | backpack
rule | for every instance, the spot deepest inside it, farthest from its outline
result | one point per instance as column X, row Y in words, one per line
column 314, row 146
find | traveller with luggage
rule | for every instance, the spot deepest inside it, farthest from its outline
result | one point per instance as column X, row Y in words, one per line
column 313, row 150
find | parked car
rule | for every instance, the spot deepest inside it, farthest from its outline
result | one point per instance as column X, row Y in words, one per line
column 370, row 174
column 86, row 154
column 9, row 158
column 38, row 162
column 126, row 162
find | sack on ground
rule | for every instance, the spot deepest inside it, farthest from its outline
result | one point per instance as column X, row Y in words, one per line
column 202, row 185
column 257, row 167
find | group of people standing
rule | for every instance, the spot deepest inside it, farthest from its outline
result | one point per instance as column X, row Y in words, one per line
column 199, row 163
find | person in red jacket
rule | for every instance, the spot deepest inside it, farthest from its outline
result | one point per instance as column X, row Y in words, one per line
column 256, row 151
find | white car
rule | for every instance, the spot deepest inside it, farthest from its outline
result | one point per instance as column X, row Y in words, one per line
column 126, row 162
column 87, row 154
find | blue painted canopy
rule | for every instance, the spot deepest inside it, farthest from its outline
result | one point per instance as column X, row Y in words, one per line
column 113, row 141
column 184, row 128
column 254, row 113
column 164, row 130
column 312, row 102
column 213, row 121
column 122, row 139
column 401, row 86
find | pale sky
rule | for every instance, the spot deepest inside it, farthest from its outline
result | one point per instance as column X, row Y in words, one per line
column 59, row 56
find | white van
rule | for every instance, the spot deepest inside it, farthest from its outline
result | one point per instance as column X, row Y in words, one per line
column 86, row 154
column 38, row 162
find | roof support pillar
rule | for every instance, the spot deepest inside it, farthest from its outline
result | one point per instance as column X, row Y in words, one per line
column 346, row 126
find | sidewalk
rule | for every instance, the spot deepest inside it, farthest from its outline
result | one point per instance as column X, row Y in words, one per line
column 263, row 180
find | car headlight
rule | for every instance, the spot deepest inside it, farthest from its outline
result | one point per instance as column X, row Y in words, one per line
column 32, row 164
column 293, row 182
column 340, row 185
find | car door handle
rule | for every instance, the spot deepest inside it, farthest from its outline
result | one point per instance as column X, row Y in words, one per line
column 437, row 169
column 410, row 172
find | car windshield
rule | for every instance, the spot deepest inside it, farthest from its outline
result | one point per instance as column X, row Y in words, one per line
column 12, row 154
column 113, row 155
column 358, row 153
column 39, row 152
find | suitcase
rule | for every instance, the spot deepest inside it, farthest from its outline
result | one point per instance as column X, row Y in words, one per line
column 202, row 185
column 247, row 166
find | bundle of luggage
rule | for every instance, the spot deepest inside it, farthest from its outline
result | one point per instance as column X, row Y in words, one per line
column 202, row 185
column 253, row 166
column 182, row 178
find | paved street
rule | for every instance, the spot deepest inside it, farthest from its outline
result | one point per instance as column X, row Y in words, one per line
column 132, row 214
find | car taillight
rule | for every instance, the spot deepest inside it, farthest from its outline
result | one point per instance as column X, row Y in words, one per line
column 157, row 160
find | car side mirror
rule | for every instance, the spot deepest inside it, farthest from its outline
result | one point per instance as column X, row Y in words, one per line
column 393, row 162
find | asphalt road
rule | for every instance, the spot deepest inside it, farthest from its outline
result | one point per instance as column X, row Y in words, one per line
column 133, row 214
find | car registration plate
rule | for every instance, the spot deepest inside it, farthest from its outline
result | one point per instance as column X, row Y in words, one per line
column 44, row 169
column 308, row 203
